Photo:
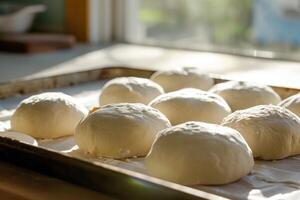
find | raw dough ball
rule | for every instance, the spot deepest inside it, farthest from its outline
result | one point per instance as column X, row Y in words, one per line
column 120, row 130
column 199, row 153
column 272, row 132
column 292, row 103
column 21, row 137
column 241, row 95
column 185, row 78
column 48, row 115
column 129, row 90
column 191, row 105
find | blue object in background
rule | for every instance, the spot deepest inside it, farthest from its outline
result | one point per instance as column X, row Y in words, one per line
column 277, row 22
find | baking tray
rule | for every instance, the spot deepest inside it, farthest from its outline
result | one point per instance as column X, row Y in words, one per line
column 102, row 177
column 25, row 86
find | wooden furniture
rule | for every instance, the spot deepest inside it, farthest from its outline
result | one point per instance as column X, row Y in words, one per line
column 77, row 19
column 35, row 43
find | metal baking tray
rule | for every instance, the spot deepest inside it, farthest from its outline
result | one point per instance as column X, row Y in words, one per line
column 101, row 177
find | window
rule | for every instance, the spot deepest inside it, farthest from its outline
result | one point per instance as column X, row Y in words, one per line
column 260, row 28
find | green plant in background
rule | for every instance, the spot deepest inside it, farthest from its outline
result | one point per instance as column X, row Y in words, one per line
column 151, row 16
column 231, row 20
column 222, row 22
column 166, row 14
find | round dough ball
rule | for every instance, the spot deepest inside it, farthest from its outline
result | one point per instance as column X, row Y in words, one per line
column 272, row 132
column 191, row 105
column 129, row 90
column 185, row 78
column 21, row 137
column 199, row 153
column 241, row 95
column 48, row 115
column 120, row 130
column 292, row 103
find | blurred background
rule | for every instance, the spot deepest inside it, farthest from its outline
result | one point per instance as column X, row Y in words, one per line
column 214, row 25
column 252, row 28
column 233, row 24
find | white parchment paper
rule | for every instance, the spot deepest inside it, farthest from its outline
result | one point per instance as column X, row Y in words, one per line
column 268, row 180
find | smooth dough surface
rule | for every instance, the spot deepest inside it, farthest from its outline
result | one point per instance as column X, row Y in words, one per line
column 241, row 95
column 191, row 105
column 199, row 153
column 185, row 78
column 292, row 103
column 129, row 90
column 120, row 130
column 48, row 115
column 272, row 132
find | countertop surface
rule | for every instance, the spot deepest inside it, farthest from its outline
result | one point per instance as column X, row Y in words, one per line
column 83, row 57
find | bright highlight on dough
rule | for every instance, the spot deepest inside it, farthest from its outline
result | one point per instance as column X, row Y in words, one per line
column 191, row 105
column 199, row 153
column 48, row 115
column 120, row 130
column 272, row 132
column 241, row 95
column 184, row 78
column 129, row 90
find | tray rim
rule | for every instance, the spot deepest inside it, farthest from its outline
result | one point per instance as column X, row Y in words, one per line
column 9, row 149
column 93, row 75
column 22, row 86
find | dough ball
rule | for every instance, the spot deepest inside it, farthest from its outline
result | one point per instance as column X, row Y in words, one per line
column 120, row 130
column 241, row 95
column 199, row 153
column 191, row 105
column 185, row 78
column 292, row 103
column 272, row 132
column 48, row 115
column 129, row 90
column 21, row 137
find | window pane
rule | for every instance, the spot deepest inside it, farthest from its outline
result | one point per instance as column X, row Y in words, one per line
column 237, row 26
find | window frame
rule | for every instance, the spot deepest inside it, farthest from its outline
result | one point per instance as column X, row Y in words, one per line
column 124, row 27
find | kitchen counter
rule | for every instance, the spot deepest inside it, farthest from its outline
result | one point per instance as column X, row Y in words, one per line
column 84, row 57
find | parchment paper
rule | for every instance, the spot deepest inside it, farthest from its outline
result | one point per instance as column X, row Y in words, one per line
column 268, row 180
